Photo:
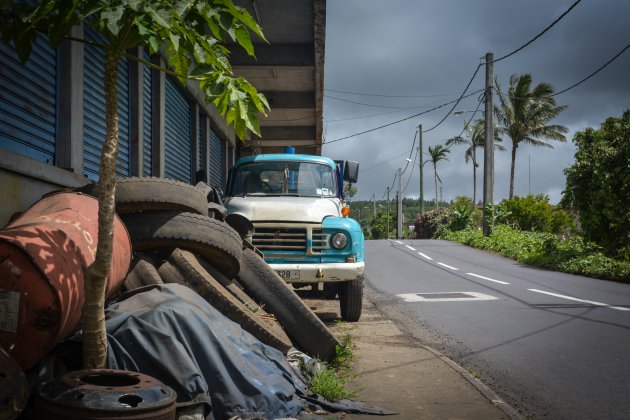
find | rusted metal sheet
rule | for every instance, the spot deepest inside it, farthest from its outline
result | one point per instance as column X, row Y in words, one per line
column 43, row 257
column 13, row 388
column 105, row 393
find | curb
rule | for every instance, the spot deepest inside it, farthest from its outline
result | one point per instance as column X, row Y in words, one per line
column 477, row 383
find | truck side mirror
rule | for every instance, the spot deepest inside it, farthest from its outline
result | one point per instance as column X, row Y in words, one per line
column 351, row 171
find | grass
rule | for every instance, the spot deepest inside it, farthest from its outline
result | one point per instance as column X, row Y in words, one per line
column 330, row 380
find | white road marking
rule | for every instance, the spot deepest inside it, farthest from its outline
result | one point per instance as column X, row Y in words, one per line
column 448, row 266
column 411, row 248
column 619, row 308
column 487, row 278
column 398, row 242
column 425, row 256
column 414, row 297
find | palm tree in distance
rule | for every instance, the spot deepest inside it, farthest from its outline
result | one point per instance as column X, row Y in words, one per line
column 437, row 153
column 476, row 138
column 523, row 115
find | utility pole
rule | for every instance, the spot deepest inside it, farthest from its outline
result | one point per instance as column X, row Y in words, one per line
column 420, row 157
column 374, row 197
column 399, row 221
column 387, row 212
column 488, row 154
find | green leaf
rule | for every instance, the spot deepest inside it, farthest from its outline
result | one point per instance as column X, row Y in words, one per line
column 113, row 19
column 175, row 40
column 157, row 18
column 242, row 37
column 153, row 45
column 182, row 6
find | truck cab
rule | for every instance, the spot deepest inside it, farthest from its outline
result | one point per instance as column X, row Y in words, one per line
column 302, row 228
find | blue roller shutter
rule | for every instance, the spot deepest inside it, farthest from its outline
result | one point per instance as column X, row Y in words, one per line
column 147, row 128
column 217, row 159
column 28, row 102
column 203, row 147
column 94, row 121
column 177, row 128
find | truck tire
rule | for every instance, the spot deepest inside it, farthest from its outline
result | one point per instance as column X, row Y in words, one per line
column 302, row 325
column 143, row 273
column 351, row 299
column 138, row 194
column 202, row 235
column 184, row 268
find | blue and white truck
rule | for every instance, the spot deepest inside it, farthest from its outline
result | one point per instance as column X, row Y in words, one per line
column 301, row 223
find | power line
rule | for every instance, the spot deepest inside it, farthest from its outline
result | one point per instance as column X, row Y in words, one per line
column 410, row 152
column 390, row 96
column 411, row 173
column 364, row 104
column 404, row 119
column 457, row 101
column 594, row 73
column 382, row 162
column 540, row 34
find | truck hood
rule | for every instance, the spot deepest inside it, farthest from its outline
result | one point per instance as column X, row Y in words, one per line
column 285, row 209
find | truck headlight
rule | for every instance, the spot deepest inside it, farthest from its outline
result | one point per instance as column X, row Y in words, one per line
column 339, row 240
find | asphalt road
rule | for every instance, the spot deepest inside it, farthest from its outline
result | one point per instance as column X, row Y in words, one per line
column 554, row 345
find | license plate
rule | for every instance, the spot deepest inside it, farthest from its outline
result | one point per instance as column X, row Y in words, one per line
column 289, row 274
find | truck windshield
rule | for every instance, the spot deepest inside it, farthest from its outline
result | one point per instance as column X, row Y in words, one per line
column 284, row 178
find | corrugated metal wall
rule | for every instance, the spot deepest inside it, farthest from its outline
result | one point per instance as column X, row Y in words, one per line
column 217, row 159
column 177, row 129
column 28, row 102
column 94, row 109
column 147, row 128
column 203, row 146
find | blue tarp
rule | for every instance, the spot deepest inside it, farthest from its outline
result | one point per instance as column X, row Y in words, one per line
column 171, row 333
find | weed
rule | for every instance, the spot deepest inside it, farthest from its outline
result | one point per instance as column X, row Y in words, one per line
column 331, row 380
column 329, row 384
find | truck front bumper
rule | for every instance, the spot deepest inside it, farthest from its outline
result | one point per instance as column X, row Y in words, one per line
column 325, row 272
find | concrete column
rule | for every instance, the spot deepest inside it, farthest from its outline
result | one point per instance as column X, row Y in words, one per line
column 69, row 151
column 194, row 138
column 136, row 92
column 158, row 90
column 203, row 139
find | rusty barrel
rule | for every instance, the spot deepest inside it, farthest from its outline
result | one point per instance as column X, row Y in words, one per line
column 44, row 254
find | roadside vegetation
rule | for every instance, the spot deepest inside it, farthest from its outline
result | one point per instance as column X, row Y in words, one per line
column 587, row 233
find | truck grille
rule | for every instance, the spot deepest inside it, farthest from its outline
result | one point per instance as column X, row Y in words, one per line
column 290, row 238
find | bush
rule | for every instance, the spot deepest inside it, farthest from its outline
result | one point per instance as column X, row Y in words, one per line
column 546, row 250
column 465, row 214
column 598, row 184
column 432, row 223
column 536, row 214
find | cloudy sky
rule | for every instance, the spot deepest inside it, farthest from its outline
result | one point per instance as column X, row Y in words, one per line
column 388, row 60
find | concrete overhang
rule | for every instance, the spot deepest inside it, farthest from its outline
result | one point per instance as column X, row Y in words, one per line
column 289, row 71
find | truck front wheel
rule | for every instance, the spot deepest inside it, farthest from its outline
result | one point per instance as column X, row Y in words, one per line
column 351, row 299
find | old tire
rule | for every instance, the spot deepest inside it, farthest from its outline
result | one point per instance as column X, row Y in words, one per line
column 164, row 231
column 185, row 268
column 138, row 194
column 351, row 299
column 143, row 273
column 301, row 324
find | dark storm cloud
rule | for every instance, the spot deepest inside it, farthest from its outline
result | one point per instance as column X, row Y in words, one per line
column 426, row 47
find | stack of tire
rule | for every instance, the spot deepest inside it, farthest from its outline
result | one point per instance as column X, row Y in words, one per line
column 176, row 241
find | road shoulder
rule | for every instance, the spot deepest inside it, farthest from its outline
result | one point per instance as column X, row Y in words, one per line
column 416, row 381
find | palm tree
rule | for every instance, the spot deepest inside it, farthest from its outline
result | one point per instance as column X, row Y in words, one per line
column 476, row 138
column 437, row 153
column 523, row 115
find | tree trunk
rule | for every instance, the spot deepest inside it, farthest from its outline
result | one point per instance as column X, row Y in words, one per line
column 436, row 190
column 514, row 146
column 94, row 335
